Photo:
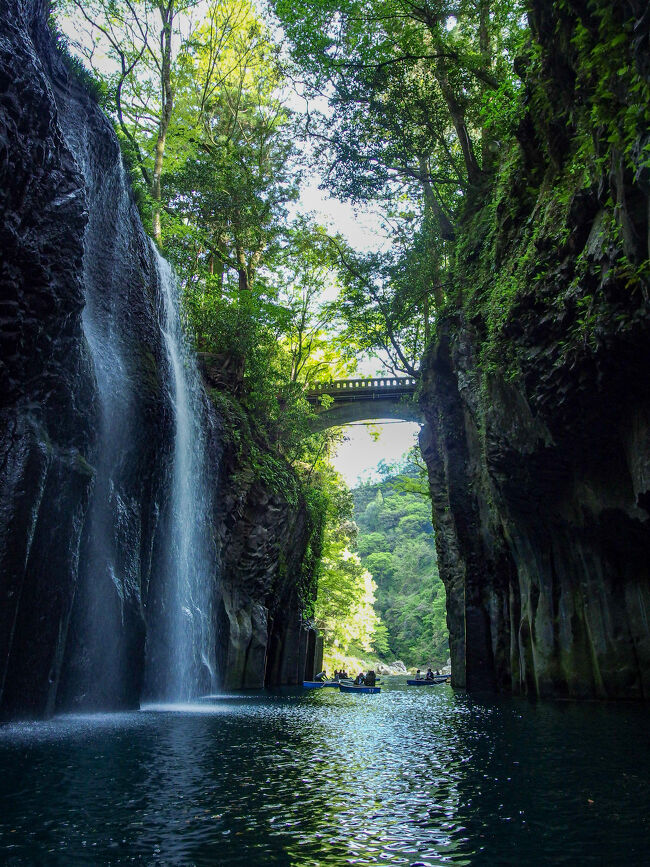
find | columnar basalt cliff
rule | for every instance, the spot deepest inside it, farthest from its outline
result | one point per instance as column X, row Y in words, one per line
column 268, row 542
column 264, row 638
column 536, row 386
column 89, row 429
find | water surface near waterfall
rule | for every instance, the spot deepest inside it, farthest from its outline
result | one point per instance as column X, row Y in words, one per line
column 408, row 777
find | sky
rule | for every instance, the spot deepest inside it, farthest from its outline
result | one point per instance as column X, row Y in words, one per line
column 361, row 228
column 357, row 458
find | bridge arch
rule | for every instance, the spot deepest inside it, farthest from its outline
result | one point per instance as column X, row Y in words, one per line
column 354, row 400
column 366, row 410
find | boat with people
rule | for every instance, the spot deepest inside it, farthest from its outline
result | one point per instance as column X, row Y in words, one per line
column 362, row 683
column 361, row 688
column 431, row 681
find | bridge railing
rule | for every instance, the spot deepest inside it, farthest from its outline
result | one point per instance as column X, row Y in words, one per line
column 345, row 387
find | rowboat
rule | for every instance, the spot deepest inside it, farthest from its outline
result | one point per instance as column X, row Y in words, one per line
column 313, row 684
column 443, row 678
column 372, row 690
column 334, row 683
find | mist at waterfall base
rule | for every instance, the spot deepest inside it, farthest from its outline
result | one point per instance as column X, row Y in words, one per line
column 408, row 777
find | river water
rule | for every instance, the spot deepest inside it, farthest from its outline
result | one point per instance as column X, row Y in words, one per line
column 411, row 776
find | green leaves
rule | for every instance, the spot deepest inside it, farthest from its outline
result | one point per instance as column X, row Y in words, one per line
column 344, row 608
column 396, row 544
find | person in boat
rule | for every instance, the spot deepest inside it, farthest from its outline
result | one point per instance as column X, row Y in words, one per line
column 321, row 676
column 371, row 678
column 418, row 675
column 360, row 679
column 437, row 672
column 429, row 674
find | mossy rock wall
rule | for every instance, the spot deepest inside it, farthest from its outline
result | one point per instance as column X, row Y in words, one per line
column 536, row 389
column 265, row 533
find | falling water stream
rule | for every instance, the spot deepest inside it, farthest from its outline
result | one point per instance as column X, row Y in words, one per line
column 189, row 621
column 110, row 562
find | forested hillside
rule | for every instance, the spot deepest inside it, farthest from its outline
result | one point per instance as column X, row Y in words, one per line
column 396, row 545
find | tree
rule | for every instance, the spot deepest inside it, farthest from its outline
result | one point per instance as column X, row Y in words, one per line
column 140, row 49
column 395, row 543
column 383, row 307
column 235, row 187
column 344, row 605
column 304, row 273
column 409, row 83
column 138, row 38
column 407, row 79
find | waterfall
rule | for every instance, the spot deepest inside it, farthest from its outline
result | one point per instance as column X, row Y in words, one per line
column 107, row 632
column 188, row 620
column 110, row 445
column 142, row 622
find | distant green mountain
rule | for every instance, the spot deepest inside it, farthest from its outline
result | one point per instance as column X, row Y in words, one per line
column 396, row 544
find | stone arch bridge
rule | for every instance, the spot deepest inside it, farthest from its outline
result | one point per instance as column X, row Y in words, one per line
column 365, row 400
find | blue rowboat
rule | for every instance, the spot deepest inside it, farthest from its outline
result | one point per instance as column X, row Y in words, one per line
column 372, row 690
column 333, row 683
column 313, row 684
column 435, row 682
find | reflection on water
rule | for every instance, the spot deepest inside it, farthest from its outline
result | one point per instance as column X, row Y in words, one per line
column 408, row 777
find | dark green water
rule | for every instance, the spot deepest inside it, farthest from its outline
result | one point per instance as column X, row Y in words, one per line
column 408, row 777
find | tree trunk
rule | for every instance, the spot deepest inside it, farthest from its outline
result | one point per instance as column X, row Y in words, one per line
column 485, row 48
column 243, row 280
column 167, row 94
column 425, row 311
column 458, row 119
column 447, row 231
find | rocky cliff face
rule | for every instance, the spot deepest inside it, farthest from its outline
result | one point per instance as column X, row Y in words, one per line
column 266, row 541
column 264, row 639
column 542, row 527
column 87, row 429
column 47, row 390
column 538, row 434
column 67, row 242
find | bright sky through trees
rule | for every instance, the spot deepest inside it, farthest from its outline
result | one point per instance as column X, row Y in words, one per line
column 357, row 457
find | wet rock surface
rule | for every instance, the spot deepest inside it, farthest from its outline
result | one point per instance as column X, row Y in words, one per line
column 46, row 385
column 264, row 640
column 542, row 530
column 72, row 633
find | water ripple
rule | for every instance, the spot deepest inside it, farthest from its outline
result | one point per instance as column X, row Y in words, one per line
column 322, row 778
